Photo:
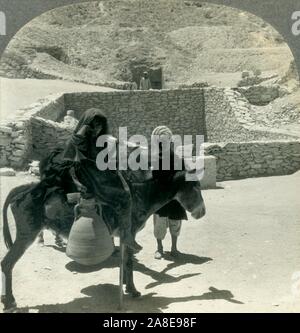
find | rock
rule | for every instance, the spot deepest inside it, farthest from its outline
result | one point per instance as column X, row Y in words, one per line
column 245, row 74
column 18, row 153
column 5, row 129
column 19, row 139
column 15, row 134
column 5, row 140
column 34, row 170
column 275, row 304
column 7, row 172
column 20, row 146
column 14, row 158
column 3, row 160
column 19, row 125
column 34, row 164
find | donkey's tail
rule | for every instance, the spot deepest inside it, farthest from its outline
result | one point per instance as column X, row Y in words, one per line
column 12, row 197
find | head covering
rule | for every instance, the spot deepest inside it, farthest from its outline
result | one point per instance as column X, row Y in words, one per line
column 162, row 130
column 89, row 116
column 83, row 147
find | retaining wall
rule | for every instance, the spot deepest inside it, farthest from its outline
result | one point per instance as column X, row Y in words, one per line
column 141, row 111
column 16, row 142
column 255, row 159
column 220, row 114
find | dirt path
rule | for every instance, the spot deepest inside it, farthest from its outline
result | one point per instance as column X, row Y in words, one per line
column 30, row 90
column 239, row 258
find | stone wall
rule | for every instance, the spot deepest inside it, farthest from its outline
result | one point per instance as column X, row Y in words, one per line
column 46, row 135
column 16, row 133
column 220, row 114
column 13, row 144
column 255, row 159
column 53, row 108
column 141, row 111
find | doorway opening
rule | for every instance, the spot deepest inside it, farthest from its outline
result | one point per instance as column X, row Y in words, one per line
column 155, row 75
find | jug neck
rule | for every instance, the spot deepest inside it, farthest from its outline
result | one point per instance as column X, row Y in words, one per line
column 87, row 210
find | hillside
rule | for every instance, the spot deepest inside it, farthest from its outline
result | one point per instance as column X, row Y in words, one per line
column 110, row 41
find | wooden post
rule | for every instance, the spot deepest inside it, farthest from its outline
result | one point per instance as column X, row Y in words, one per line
column 121, row 293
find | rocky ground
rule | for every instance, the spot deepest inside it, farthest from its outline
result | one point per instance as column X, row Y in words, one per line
column 104, row 40
column 102, row 43
column 243, row 256
column 282, row 112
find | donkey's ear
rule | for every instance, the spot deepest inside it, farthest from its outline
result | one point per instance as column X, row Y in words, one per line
column 195, row 174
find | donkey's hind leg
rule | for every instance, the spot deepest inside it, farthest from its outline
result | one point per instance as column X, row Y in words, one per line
column 22, row 242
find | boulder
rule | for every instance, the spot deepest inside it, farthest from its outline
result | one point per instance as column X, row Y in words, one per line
column 5, row 140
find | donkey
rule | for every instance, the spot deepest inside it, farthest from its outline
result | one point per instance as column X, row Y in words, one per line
column 57, row 214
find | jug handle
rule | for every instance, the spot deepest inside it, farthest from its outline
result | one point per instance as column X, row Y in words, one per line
column 76, row 211
column 99, row 209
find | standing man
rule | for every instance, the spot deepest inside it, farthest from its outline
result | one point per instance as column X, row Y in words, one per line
column 171, row 215
column 145, row 83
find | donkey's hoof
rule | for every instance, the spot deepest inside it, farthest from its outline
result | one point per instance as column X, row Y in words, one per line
column 9, row 303
column 133, row 293
column 136, row 294
column 11, row 309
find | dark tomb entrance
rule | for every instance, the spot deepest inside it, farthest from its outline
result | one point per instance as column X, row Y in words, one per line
column 155, row 74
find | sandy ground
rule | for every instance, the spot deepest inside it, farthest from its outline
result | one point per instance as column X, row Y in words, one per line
column 239, row 258
column 30, row 90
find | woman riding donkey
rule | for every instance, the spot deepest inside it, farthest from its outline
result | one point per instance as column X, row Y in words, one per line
column 107, row 186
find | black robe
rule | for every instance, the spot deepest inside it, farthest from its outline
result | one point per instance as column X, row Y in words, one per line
column 81, row 152
column 173, row 210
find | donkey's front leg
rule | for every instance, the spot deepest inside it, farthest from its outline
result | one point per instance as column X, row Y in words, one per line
column 128, row 274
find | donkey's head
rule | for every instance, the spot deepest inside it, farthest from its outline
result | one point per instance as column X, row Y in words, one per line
column 188, row 193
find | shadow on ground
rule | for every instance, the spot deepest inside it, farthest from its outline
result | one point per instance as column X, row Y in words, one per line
column 104, row 298
column 158, row 277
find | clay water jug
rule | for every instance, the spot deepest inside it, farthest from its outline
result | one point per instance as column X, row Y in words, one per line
column 90, row 242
